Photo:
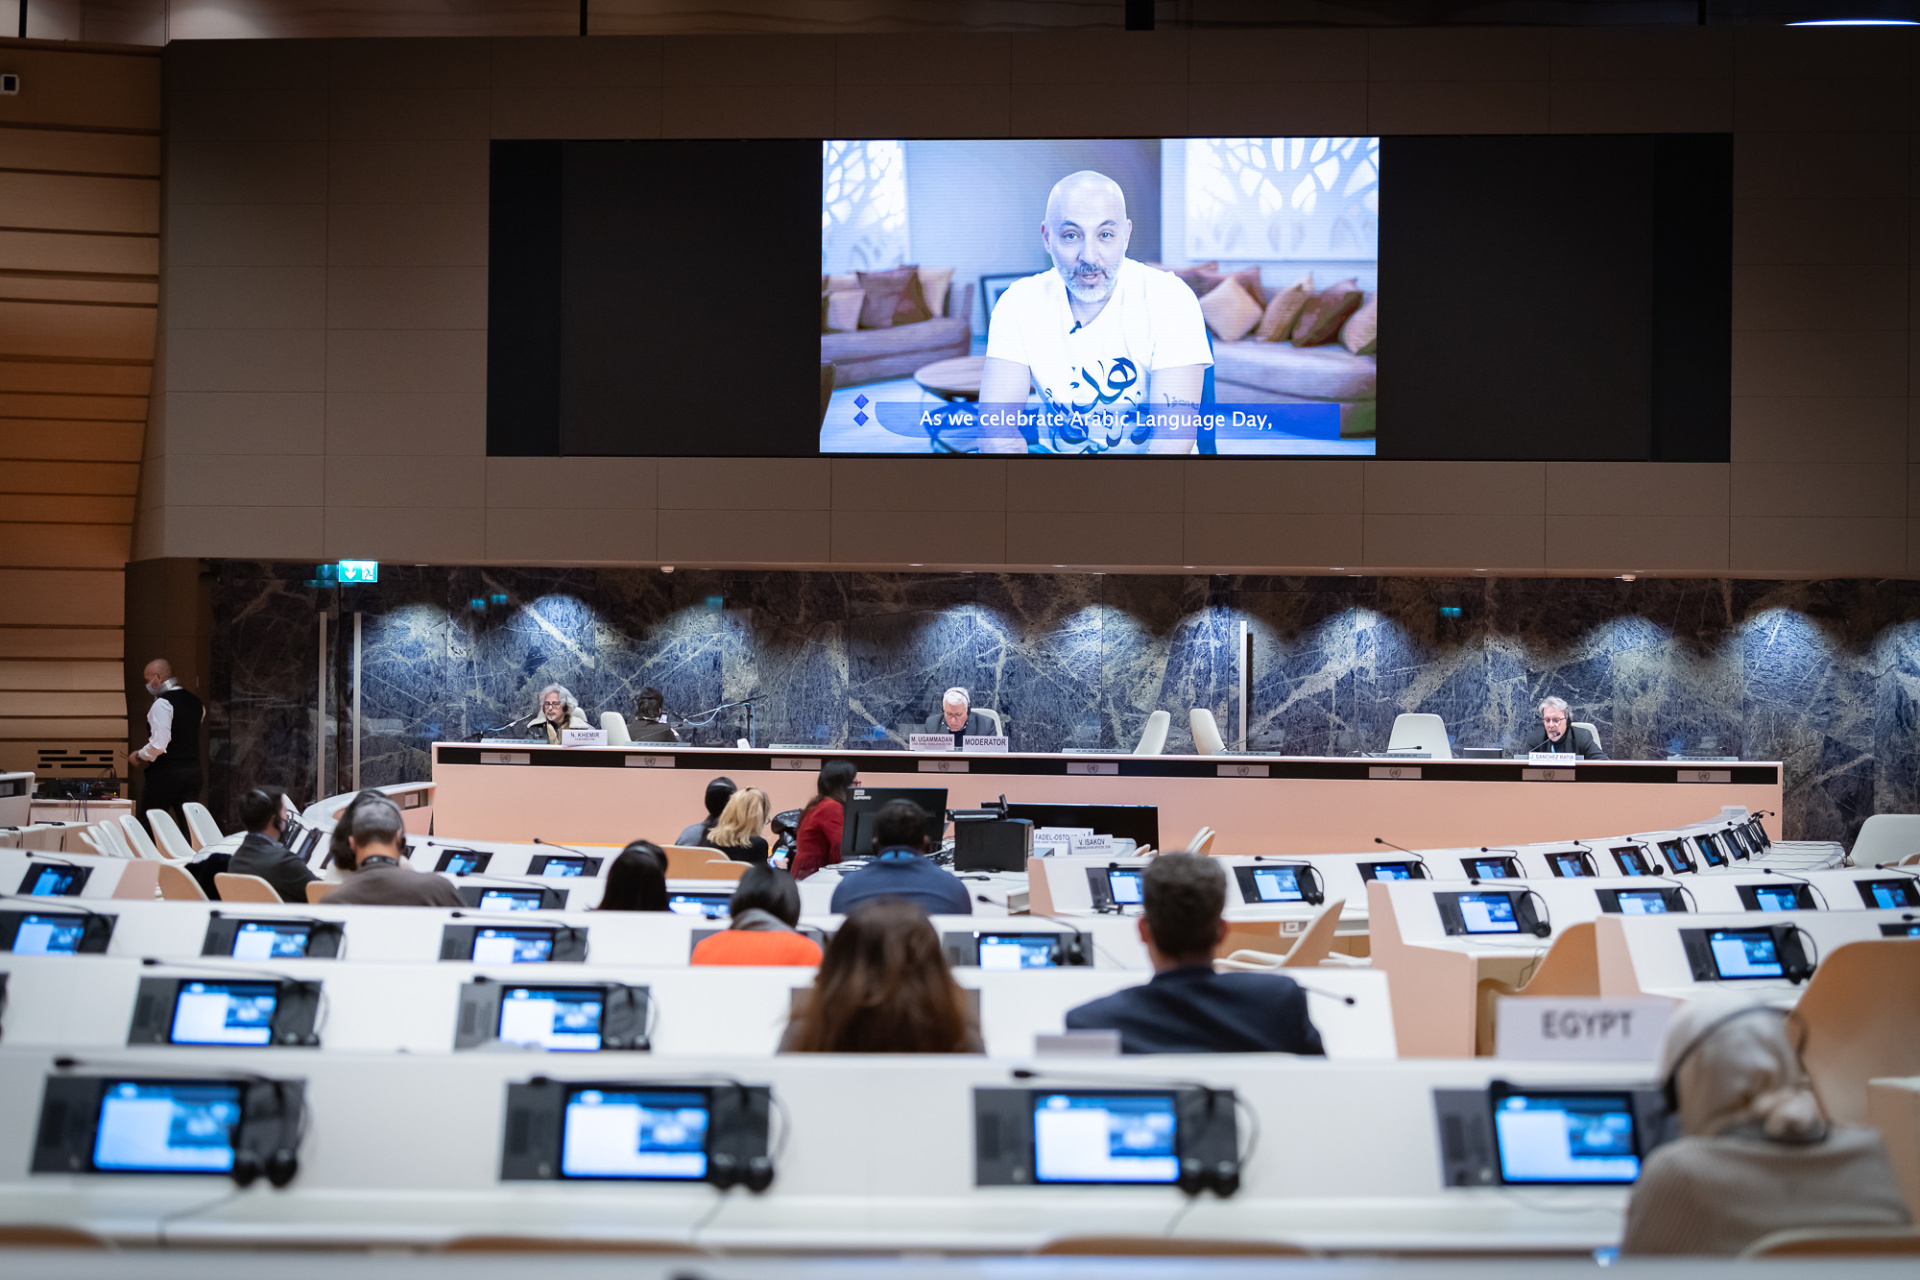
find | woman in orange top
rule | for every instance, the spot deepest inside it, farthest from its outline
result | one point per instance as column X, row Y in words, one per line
column 765, row 910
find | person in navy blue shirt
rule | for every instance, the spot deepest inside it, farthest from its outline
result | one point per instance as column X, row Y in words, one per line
column 1187, row 1007
column 901, row 868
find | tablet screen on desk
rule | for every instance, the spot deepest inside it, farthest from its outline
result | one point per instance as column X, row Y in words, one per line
column 49, row 935
column 1565, row 1138
column 1902, row 930
column 163, row 1126
column 1105, row 1138
column 1488, row 913
column 1745, row 953
column 1774, row 897
column 644, row 1134
column 1386, row 871
column 563, row 1019
column 270, row 939
column 512, row 946
column 1277, row 884
column 1631, row 861
column 1887, row 894
column 1018, row 950
column 511, row 900
column 47, row 880
column 1125, row 886
column 1675, row 852
column 1642, row 902
column 1567, row 865
column 556, row 866
column 710, row 906
column 1487, row 868
column 1710, row 851
column 463, row 862
column 224, row 1013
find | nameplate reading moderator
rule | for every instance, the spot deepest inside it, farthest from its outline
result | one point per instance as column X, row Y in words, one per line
column 984, row 742
column 1581, row 1028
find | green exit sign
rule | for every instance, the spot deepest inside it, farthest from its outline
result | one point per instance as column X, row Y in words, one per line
column 358, row 571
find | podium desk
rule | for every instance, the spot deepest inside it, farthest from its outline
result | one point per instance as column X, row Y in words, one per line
column 1292, row 805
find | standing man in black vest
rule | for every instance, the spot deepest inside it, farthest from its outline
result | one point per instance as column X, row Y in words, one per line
column 172, row 752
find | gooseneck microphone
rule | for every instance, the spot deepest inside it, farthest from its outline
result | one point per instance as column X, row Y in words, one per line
column 548, row 844
column 1402, row 848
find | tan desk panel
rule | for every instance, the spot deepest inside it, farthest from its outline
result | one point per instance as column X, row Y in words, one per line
column 1306, row 806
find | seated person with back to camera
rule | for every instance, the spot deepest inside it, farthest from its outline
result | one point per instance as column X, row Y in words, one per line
column 956, row 716
column 737, row 833
column 650, row 724
column 719, row 791
column 637, row 880
column 263, row 813
column 765, row 912
column 369, row 844
column 902, row 869
column 1187, row 1007
column 1756, row 1155
column 1558, row 734
column 884, row 987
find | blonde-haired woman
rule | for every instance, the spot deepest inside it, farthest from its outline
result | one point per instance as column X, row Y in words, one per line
column 737, row 833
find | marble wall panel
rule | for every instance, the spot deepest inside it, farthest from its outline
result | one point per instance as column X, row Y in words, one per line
column 1824, row 676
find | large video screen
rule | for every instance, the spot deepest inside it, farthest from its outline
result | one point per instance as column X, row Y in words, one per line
column 1100, row 297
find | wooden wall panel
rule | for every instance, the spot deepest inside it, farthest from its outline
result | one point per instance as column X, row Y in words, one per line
column 79, row 305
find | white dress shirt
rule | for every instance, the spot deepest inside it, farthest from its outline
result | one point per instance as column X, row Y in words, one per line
column 159, row 725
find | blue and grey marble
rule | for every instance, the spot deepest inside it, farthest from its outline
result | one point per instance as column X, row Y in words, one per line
column 1824, row 676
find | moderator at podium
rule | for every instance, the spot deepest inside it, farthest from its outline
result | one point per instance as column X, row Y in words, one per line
column 956, row 717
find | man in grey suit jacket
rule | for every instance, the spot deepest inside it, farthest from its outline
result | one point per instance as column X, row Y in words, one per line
column 956, row 717
column 1558, row 733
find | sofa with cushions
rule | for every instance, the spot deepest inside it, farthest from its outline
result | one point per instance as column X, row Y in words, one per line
column 1293, row 345
column 876, row 325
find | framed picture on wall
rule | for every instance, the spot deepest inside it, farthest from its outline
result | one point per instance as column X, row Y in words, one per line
column 992, row 286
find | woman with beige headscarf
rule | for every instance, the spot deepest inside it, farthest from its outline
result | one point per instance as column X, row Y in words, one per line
column 1756, row 1155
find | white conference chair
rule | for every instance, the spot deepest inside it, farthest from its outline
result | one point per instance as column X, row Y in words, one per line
column 1202, row 841
column 137, row 838
column 616, row 726
column 1886, row 837
column 1588, row 726
column 1206, row 732
column 104, row 838
column 1153, row 741
column 166, row 834
column 999, row 728
column 1416, row 731
column 200, row 824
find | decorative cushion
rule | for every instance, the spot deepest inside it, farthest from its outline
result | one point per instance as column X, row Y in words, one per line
column 1361, row 334
column 843, row 310
column 1325, row 312
column 1201, row 277
column 1283, row 308
column 933, row 288
column 840, row 283
column 1230, row 310
column 884, row 290
column 912, row 307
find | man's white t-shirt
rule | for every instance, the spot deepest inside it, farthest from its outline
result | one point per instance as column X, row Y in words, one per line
column 1151, row 321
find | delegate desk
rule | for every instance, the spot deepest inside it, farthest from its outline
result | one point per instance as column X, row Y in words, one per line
column 1257, row 804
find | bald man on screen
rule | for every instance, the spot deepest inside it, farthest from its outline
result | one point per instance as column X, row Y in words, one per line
column 1117, row 349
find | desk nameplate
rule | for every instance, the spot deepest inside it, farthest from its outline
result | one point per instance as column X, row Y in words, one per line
column 506, row 757
column 1245, row 771
column 1093, row 768
column 798, row 764
column 650, row 762
column 943, row 766
column 1546, row 775
column 1394, row 772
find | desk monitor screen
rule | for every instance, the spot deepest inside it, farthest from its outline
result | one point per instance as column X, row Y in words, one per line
column 511, row 900
column 557, row 865
column 1904, row 929
column 1710, row 851
column 1890, row 894
column 1741, row 844
column 1631, row 860
column 1675, row 852
column 1126, row 886
column 51, row 880
column 166, row 1126
column 1105, row 1138
column 308, row 845
column 1392, row 871
column 1782, row 896
column 1757, row 835
column 1568, row 866
column 49, row 935
column 1019, row 950
column 1139, row 823
column 1271, row 884
column 562, row 1019
column 1639, row 902
column 863, row 805
column 646, row 1134
column 1745, row 953
column 512, row 946
column 463, row 862
column 224, row 1013
column 271, row 939
column 1486, row 912
column 1562, row 1138
column 709, row 906
column 1491, row 867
